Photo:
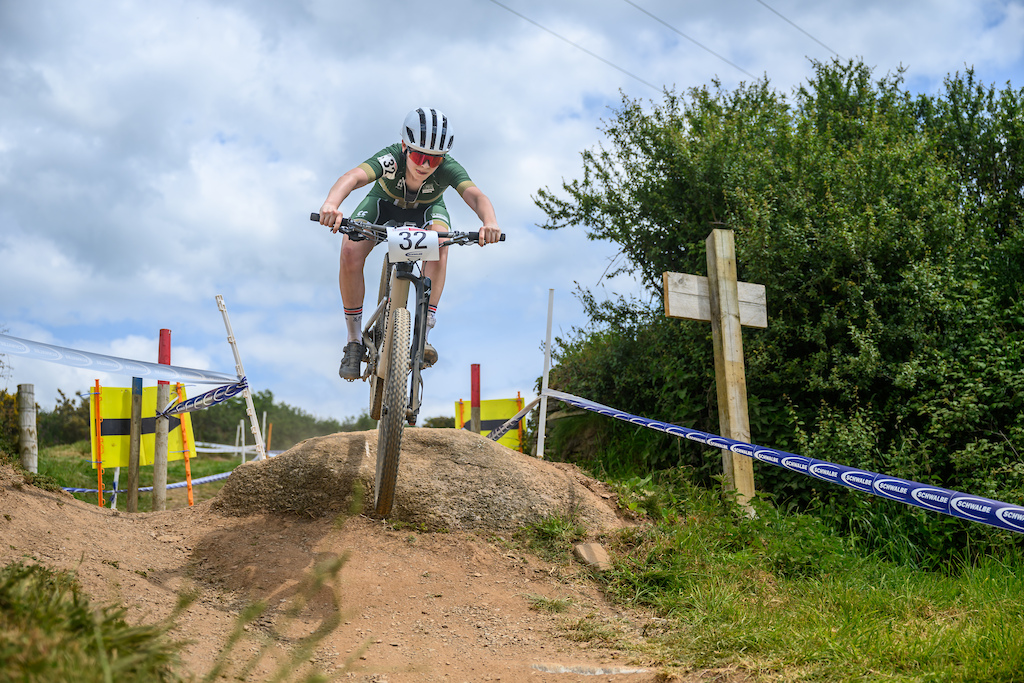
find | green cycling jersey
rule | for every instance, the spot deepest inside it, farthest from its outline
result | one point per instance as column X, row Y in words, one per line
column 387, row 169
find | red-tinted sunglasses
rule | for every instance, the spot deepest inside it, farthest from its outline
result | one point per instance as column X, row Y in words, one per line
column 419, row 158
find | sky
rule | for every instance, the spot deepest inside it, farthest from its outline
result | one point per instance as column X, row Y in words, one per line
column 156, row 155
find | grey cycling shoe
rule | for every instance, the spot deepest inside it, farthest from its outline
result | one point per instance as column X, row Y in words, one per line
column 354, row 352
column 429, row 355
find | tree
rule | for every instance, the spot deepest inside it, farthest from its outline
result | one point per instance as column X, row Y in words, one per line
column 291, row 425
column 67, row 423
column 885, row 227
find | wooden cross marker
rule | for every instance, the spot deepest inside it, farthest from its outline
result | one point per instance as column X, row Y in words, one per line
column 727, row 305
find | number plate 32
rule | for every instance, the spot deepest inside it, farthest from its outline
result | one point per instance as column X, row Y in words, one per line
column 412, row 244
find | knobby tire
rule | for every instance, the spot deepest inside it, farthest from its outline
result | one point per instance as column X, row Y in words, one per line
column 392, row 419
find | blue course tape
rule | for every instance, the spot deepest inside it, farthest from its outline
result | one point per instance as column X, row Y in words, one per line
column 178, row 485
column 974, row 508
column 181, row 484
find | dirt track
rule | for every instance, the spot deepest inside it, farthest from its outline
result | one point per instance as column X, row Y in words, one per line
column 442, row 606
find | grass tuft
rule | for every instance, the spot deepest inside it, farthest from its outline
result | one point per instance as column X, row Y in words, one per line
column 783, row 597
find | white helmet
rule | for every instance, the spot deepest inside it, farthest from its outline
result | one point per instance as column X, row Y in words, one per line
column 427, row 130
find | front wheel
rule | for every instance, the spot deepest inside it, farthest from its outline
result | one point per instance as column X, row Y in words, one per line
column 392, row 418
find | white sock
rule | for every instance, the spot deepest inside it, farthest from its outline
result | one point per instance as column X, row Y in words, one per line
column 431, row 321
column 354, row 323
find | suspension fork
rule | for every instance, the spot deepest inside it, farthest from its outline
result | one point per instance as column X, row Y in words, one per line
column 404, row 271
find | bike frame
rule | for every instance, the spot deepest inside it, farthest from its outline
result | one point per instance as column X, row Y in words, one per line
column 397, row 279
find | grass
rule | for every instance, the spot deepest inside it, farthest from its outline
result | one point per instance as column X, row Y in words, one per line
column 71, row 466
column 780, row 597
column 50, row 632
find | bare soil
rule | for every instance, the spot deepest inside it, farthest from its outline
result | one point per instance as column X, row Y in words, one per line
column 456, row 603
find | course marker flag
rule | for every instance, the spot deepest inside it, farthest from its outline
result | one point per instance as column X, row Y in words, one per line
column 494, row 414
column 99, row 362
column 115, row 413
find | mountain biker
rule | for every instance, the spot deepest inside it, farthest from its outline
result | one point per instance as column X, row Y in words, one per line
column 411, row 177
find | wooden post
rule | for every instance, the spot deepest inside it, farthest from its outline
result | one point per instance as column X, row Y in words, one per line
column 29, row 444
column 163, row 397
column 729, row 369
column 474, row 398
column 134, row 445
column 728, row 305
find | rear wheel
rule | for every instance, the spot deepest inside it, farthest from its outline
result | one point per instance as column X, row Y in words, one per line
column 392, row 417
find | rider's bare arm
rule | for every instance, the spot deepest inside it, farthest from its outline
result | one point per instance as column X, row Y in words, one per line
column 330, row 212
column 481, row 205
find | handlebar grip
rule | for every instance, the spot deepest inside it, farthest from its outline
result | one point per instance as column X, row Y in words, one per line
column 475, row 237
column 315, row 217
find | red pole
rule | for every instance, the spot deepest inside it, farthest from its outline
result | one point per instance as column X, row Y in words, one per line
column 474, row 405
column 164, row 350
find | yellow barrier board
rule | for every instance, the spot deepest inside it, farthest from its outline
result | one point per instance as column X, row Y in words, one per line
column 493, row 414
column 115, row 426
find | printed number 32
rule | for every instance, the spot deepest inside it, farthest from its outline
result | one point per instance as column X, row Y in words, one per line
column 408, row 237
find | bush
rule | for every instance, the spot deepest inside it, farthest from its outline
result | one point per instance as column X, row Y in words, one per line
column 9, row 427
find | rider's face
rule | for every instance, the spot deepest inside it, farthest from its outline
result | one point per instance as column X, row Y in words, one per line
column 418, row 172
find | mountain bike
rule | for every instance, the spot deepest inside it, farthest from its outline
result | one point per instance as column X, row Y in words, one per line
column 395, row 338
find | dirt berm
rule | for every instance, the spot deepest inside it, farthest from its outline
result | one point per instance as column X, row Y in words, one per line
column 448, row 480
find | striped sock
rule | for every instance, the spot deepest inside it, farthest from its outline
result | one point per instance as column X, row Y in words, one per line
column 431, row 319
column 354, row 323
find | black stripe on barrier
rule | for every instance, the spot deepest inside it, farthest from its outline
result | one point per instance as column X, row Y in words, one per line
column 122, row 426
column 489, row 425
column 936, row 499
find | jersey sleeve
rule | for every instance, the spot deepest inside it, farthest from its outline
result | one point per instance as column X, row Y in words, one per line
column 456, row 176
column 383, row 164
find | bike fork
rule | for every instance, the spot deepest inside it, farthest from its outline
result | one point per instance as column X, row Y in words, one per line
column 419, row 335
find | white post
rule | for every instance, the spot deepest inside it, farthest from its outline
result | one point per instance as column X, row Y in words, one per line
column 542, row 422
column 113, row 494
column 29, row 445
column 241, row 429
column 250, row 410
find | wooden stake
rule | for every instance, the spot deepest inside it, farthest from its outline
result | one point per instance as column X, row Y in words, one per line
column 28, row 443
column 730, row 376
column 163, row 397
column 134, row 445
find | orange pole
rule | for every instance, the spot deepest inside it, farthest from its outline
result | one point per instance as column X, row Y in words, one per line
column 99, row 448
column 184, row 443
column 270, row 433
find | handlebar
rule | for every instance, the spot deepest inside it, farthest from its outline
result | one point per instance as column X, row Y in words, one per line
column 378, row 232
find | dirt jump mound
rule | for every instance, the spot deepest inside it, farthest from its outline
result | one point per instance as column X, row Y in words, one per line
column 447, row 479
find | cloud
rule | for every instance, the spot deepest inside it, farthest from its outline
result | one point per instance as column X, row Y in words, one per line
column 157, row 155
